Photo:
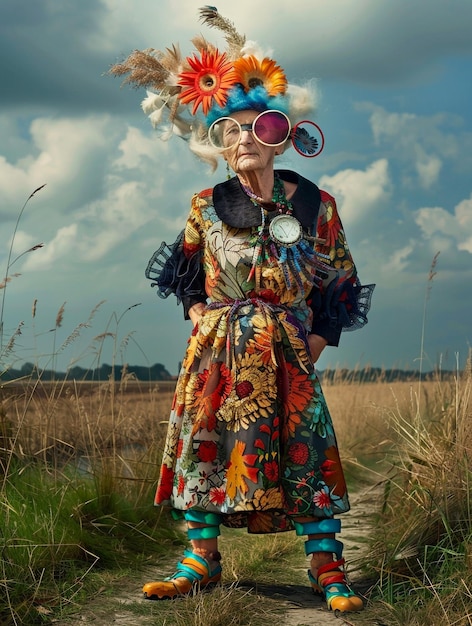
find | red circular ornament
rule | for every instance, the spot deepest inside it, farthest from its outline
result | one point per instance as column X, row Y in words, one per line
column 308, row 139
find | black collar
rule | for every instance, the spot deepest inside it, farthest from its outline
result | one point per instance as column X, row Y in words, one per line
column 234, row 207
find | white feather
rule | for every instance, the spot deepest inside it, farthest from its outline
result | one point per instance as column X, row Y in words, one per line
column 153, row 102
column 156, row 116
column 204, row 152
column 252, row 48
column 181, row 126
column 166, row 133
column 302, row 100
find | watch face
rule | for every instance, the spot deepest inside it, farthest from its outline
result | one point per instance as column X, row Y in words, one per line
column 285, row 230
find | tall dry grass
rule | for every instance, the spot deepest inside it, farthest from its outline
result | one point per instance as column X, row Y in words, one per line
column 80, row 465
column 96, row 449
column 421, row 550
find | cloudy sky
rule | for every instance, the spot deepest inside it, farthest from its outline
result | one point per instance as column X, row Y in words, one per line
column 394, row 84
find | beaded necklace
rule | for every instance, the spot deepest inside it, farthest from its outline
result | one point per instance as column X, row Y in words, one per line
column 264, row 247
column 296, row 261
column 279, row 199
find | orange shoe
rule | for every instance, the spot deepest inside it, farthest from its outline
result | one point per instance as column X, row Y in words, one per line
column 193, row 572
column 332, row 585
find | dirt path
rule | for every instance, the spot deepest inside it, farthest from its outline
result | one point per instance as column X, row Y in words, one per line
column 301, row 606
column 305, row 609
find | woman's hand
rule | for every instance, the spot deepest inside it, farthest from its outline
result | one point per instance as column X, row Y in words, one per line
column 195, row 312
column 316, row 344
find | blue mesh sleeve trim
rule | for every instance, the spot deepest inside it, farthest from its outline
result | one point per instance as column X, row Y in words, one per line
column 173, row 273
column 360, row 305
column 343, row 305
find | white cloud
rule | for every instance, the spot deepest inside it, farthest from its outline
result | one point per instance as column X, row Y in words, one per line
column 135, row 146
column 437, row 223
column 135, row 174
column 464, row 218
column 63, row 154
column 428, row 168
column 399, row 260
column 359, row 192
column 62, row 245
column 417, row 142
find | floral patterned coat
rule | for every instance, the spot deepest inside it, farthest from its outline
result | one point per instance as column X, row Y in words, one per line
column 250, row 435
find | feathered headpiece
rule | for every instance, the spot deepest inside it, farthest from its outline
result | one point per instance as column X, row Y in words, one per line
column 189, row 93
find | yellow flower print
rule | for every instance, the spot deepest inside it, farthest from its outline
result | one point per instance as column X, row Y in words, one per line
column 170, row 450
column 274, row 280
column 253, row 395
column 213, row 330
column 192, row 236
column 240, row 470
column 268, row 499
column 266, row 334
column 199, row 202
column 298, row 344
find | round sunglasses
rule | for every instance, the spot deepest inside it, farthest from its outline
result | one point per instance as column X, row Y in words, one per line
column 270, row 128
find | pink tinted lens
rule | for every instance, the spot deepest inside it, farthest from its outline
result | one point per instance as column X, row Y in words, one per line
column 271, row 128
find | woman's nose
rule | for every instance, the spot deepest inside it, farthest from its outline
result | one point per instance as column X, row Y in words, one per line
column 246, row 136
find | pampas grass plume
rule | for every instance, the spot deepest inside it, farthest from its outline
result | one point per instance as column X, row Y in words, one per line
column 60, row 316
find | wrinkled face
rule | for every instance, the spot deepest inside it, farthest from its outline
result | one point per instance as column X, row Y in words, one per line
column 247, row 154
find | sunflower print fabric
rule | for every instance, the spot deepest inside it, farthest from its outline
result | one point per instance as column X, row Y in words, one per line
column 250, row 435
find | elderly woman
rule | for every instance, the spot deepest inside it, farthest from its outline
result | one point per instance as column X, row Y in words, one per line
column 264, row 273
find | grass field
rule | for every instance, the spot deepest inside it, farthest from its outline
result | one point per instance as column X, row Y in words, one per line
column 80, row 462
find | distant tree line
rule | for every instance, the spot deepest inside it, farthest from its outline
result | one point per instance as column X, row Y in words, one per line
column 377, row 374
column 104, row 372
column 159, row 372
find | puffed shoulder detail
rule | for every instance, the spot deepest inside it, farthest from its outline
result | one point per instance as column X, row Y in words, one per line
column 172, row 272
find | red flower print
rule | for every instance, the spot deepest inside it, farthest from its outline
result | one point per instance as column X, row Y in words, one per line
column 297, row 393
column 211, row 390
column 190, row 249
column 298, row 453
column 180, row 485
column 300, row 390
column 180, row 445
column 322, row 499
column 166, row 483
column 217, row 495
column 271, row 470
column 332, row 472
column 259, row 444
column 244, row 389
column 207, row 451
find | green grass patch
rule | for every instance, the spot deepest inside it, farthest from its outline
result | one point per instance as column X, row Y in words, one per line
column 57, row 529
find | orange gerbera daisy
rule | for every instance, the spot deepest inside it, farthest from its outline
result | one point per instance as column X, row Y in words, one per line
column 211, row 77
column 251, row 72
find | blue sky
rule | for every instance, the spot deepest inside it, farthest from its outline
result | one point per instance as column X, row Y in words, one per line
column 394, row 85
